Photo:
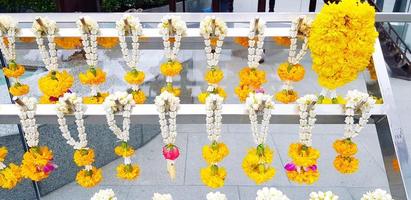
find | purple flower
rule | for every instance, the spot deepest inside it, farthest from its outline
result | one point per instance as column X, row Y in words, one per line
column 290, row 167
column 260, row 90
column 49, row 167
column 313, row 167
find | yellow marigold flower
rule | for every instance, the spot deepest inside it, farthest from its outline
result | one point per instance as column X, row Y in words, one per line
column 242, row 91
column 93, row 76
column 68, row 42
column 124, row 150
column 19, row 89
column 13, row 70
column 27, row 39
column 134, row 77
column 286, row 96
column 99, row 99
column 89, row 178
column 107, row 42
column 214, row 76
column 215, row 152
column 10, row 176
column 254, row 78
column 128, row 172
column 171, row 68
column 202, row 97
column 303, row 155
column 83, row 157
column 327, row 100
column 55, row 83
column 242, row 41
column 174, row 90
column 289, row 72
column 345, row 147
column 3, row 153
column 346, row 164
column 33, row 160
column 213, row 176
column 257, row 164
column 139, row 96
column 303, row 177
column 341, row 41
column 282, row 41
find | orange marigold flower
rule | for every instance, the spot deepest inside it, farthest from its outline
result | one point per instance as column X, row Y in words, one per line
column 345, row 147
column 282, row 41
column 171, row 68
column 139, row 96
column 242, row 92
column 33, row 160
column 124, row 150
column 128, row 172
column 93, row 76
column 214, row 76
column 68, row 42
column 302, row 155
column 83, row 157
column 13, row 70
column 303, row 177
column 89, row 178
column 346, row 164
column 98, row 99
column 286, row 96
column 174, row 90
column 19, row 89
column 27, row 39
column 55, row 83
column 134, row 77
column 254, row 78
column 242, row 41
column 289, row 72
column 107, row 42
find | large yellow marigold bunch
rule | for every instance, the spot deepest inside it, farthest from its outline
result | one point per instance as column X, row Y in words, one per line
column 19, row 89
column 203, row 95
column 342, row 41
column 257, row 164
column 215, row 152
column 34, row 161
column 89, row 178
column 93, row 76
column 345, row 147
column 213, row 176
column 134, row 77
column 10, row 176
column 171, row 68
column 139, row 96
column 13, row 70
column 54, row 85
column 83, row 157
column 303, row 177
column 124, row 150
column 286, row 96
column 345, row 162
column 250, row 80
column 128, row 171
column 302, row 155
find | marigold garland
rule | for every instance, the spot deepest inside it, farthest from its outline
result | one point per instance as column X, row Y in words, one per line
column 282, row 41
column 107, row 42
column 213, row 176
column 257, row 164
column 342, row 41
column 54, row 84
column 89, row 178
column 37, row 163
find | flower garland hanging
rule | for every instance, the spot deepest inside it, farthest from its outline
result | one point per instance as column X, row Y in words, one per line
column 167, row 105
column 55, row 83
column 341, row 41
column 172, row 29
column 292, row 70
column 251, row 78
column 94, row 76
column 270, row 194
column 216, row 196
column 70, row 103
column 10, row 175
column 158, row 196
column 213, row 29
column 122, row 102
column 107, row 194
column 303, row 167
column 257, row 163
column 323, row 196
column 8, row 29
column 357, row 103
column 377, row 194
column 37, row 162
column 129, row 25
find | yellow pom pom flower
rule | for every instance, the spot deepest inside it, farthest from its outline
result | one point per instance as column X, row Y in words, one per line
column 128, row 172
column 3, row 153
column 139, row 96
column 214, row 76
column 171, row 68
column 134, row 77
column 83, row 157
column 303, row 177
column 242, row 92
column 124, row 150
column 13, row 70
column 341, row 41
column 89, row 178
column 98, row 99
column 173, row 90
column 213, row 176
column 55, row 83
column 345, row 147
column 10, row 176
column 303, row 155
column 289, row 72
column 215, row 152
column 254, row 78
column 93, row 76
column 256, row 164
column 286, row 96
column 19, row 89
column 34, row 162
column 346, row 164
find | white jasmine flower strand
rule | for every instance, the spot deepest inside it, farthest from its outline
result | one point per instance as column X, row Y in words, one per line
column 107, row 194
column 293, row 57
column 8, row 29
column 89, row 30
column 255, row 42
column 259, row 103
column 70, row 103
column 213, row 28
column 306, row 109
column 377, row 194
column 172, row 26
column 323, row 196
column 45, row 27
column 27, row 107
column 167, row 106
column 119, row 102
column 216, row 196
column 270, row 194
column 214, row 104
column 158, row 196
column 129, row 26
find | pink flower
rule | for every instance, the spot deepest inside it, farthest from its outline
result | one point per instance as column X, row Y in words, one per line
column 170, row 152
column 259, row 90
column 49, row 167
column 290, row 167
